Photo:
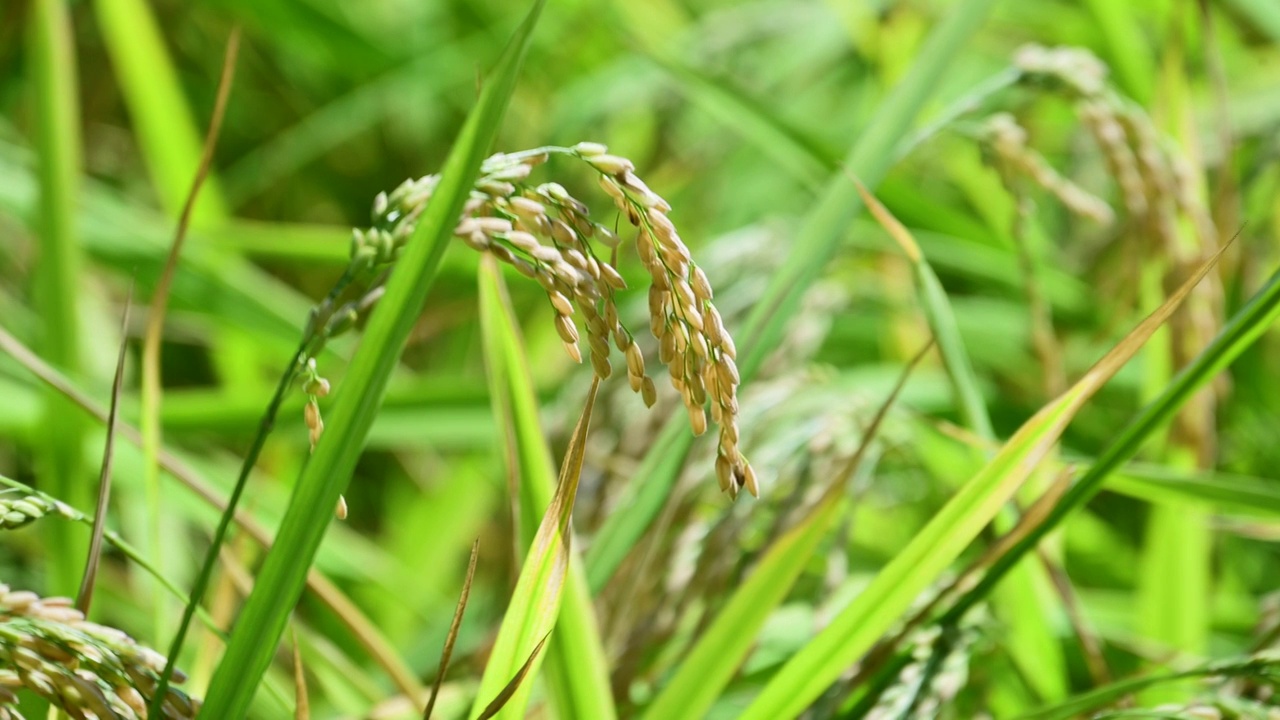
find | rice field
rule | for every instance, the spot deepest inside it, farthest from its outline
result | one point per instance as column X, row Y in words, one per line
column 891, row 359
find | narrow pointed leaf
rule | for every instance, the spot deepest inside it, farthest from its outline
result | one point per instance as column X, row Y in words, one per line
column 1033, row 643
column 577, row 670
column 454, row 626
column 941, row 318
column 85, row 595
column 164, row 124
column 1244, row 328
column 932, row 550
column 535, row 603
column 1220, row 491
column 1259, row 665
column 326, row 474
column 509, row 690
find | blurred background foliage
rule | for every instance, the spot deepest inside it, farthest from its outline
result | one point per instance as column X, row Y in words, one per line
column 736, row 113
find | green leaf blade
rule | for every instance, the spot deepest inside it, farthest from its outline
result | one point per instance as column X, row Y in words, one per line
column 577, row 677
column 872, row 613
column 261, row 623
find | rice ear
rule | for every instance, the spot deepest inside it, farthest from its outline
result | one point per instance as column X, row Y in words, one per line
column 544, row 233
column 81, row 667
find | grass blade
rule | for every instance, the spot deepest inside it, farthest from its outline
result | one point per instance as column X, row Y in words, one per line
column 941, row 318
column 149, row 420
column 161, row 116
column 1033, row 643
column 509, row 690
column 874, row 611
column 1258, row 665
column 577, row 670
column 1245, row 327
column 1221, row 492
column 535, row 603
column 326, row 474
column 85, row 596
column 454, row 626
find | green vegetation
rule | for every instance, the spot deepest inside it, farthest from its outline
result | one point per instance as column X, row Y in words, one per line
column 975, row 298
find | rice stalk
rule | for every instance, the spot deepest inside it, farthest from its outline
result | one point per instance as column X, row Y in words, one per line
column 152, row 391
column 56, row 280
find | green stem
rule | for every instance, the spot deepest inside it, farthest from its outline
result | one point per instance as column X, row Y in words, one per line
column 57, row 271
column 228, row 515
column 129, row 551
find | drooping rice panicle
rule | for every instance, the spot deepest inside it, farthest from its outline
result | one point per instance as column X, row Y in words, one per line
column 1151, row 174
column 1009, row 141
column 546, row 235
column 86, row 669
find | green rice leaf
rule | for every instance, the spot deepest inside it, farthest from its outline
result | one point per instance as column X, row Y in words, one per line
column 163, row 122
column 872, row 613
column 577, row 676
column 1244, row 329
column 536, row 602
column 1259, row 665
column 1033, row 644
column 326, row 474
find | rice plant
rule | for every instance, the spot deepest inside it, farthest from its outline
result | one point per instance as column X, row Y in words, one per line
column 984, row 292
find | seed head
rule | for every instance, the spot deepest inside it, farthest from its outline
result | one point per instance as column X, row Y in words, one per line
column 17, row 511
column 545, row 234
column 86, row 669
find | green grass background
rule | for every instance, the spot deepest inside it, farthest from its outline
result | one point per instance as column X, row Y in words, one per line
column 748, row 118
